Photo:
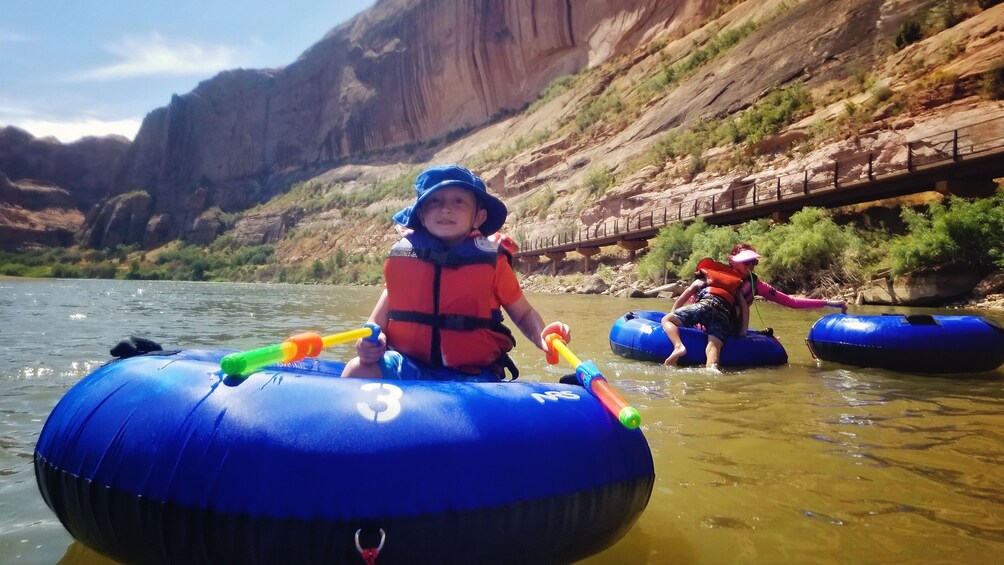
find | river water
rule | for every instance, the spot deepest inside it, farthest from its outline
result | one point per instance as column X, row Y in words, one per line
column 806, row 463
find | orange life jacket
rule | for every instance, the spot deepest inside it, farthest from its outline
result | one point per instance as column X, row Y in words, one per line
column 723, row 281
column 442, row 310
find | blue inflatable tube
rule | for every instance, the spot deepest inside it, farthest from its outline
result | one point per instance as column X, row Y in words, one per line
column 639, row 335
column 914, row 343
column 161, row 459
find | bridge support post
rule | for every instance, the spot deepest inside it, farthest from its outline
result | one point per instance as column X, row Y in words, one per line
column 555, row 257
column 586, row 253
column 632, row 245
column 525, row 264
column 970, row 188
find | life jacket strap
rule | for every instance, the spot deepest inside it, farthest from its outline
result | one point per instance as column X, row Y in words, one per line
column 506, row 363
column 444, row 257
column 458, row 322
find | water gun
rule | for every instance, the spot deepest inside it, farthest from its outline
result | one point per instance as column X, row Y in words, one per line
column 296, row 348
column 593, row 381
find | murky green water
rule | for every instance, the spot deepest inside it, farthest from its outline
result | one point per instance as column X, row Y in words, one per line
column 804, row 463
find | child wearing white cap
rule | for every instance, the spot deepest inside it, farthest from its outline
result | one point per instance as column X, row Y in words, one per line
column 744, row 258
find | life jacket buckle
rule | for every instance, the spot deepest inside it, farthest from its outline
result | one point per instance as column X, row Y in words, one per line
column 370, row 554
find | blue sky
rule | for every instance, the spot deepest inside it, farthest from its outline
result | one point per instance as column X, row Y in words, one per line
column 70, row 68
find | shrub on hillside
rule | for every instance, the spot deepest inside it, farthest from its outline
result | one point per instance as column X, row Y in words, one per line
column 807, row 251
column 717, row 44
column 61, row 271
column 774, row 112
column 597, row 109
column 102, row 270
column 598, row 179
column 670, row 249
column 909, row 33
column 991, row 84
column 551, row 91
column 714, row 242
column 959, row 230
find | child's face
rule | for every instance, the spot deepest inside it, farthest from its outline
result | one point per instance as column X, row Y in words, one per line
column 451, row 214
column 746, row 268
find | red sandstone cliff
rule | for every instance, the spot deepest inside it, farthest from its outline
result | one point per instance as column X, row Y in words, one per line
column 436, row 74
column 403, row 72
column 45, row 185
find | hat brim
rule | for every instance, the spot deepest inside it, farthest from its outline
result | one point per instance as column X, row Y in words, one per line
column 744, row 256
column 496, row 210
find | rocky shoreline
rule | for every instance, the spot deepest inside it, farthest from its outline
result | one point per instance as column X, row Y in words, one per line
column 624, row 282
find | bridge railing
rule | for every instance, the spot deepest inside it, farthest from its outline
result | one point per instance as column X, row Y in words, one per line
column 933, row 150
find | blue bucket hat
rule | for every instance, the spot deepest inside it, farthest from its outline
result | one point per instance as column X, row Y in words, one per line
column 452, row 175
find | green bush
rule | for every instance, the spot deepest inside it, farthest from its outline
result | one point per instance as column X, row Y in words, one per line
column 255, row 255
column 716, row 45
column 543, row 201
column 777, row 110
column 991, row 84
column 714, row 242
column 597, row 109
column 102, row 270
column 497, row 153
column 670, row 249
column 13, row 269
column 693, row 142
column 134, row 272
column 399, row 187
column 598, row 179
column 959, row 230
column 909, row 33
column 924, row 245
column 62, row 271
column 807, row 251
column 942, row 15
column 552, row 91
column 47, row 262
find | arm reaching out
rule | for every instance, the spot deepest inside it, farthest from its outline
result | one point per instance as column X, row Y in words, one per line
column 771, row 294
column 531, row 324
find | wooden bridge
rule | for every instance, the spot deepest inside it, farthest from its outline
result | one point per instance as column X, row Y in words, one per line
column 964, row 162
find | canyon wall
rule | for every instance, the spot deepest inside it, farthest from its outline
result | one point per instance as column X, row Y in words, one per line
column 402, row 73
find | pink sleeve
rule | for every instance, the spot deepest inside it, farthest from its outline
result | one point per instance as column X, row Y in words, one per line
column 773, row 295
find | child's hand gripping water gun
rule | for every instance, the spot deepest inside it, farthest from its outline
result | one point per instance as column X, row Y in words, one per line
column 593, row 381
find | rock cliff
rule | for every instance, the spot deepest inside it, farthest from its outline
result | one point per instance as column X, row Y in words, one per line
column 36, row 214
column 45, row 186
column 415, row 81
column 86, row 168
column 403, row 73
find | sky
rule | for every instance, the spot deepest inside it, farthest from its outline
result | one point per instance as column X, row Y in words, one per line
column 72, row 68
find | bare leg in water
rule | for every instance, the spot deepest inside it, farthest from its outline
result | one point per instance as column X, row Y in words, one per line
column 712, row 352
column 669, row 324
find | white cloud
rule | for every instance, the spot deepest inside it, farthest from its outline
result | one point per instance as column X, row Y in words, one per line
column 72, row 130
column 153, row 55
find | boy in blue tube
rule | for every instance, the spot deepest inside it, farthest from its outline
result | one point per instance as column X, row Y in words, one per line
column 446, row 285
